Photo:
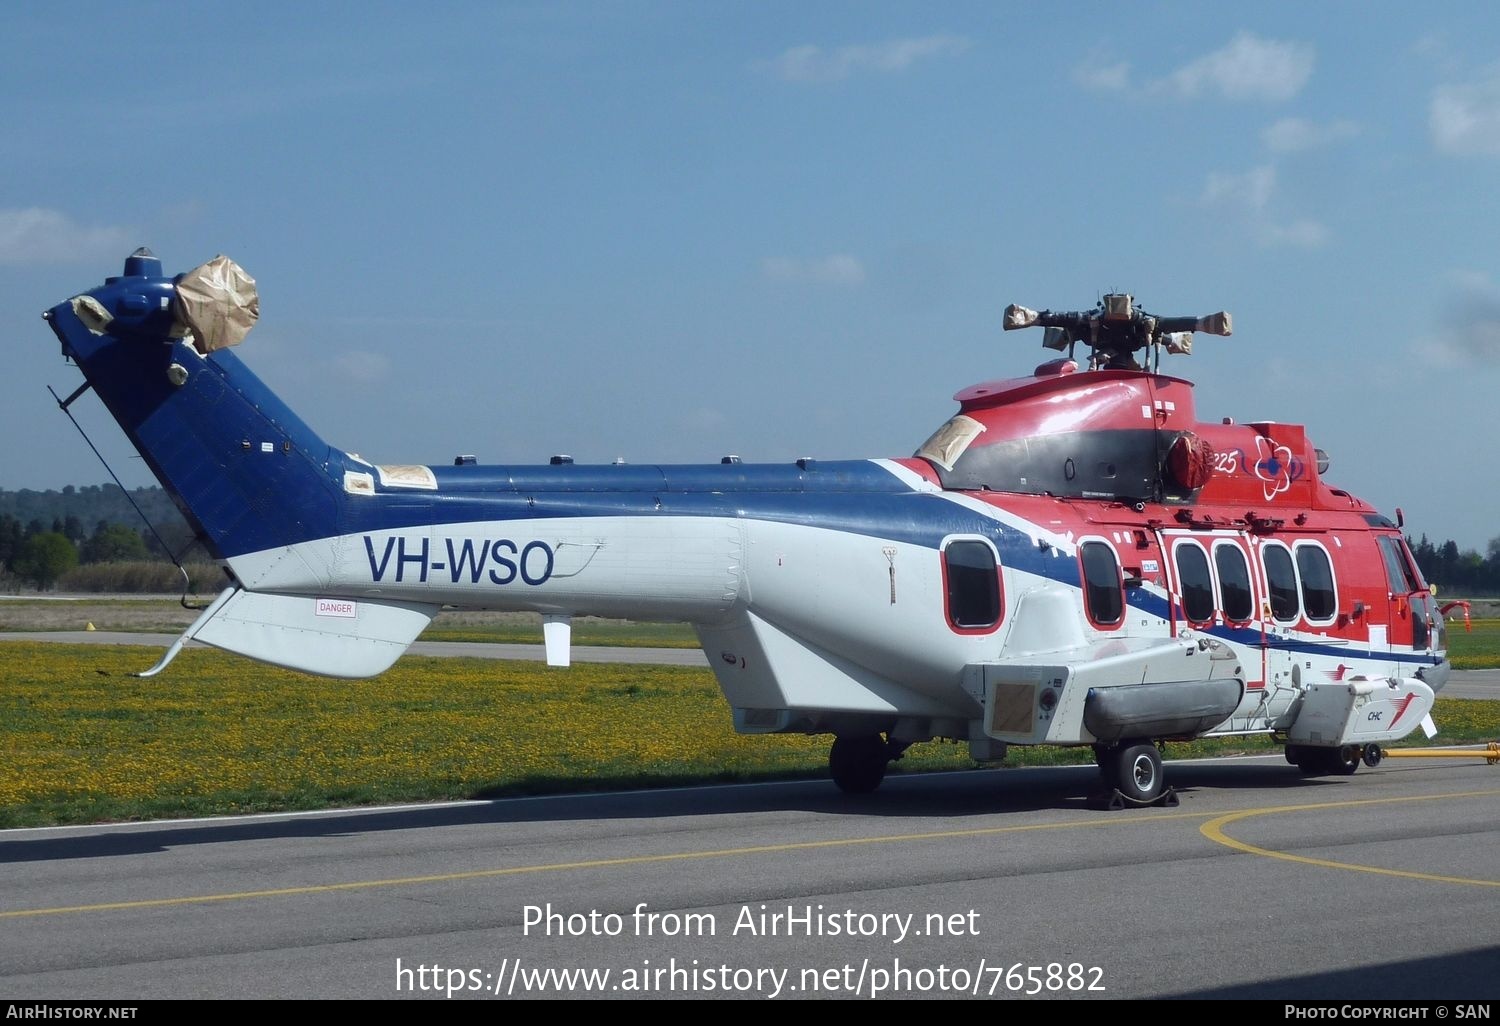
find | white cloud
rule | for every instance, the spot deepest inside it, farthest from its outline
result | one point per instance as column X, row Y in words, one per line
column 1248, row 68
column 1470, row 281
column 1110, row 78
column 36, row 235
column 1250, row 191
column 814, row 64
column 837, row 269
column 1292, row 134
column 1249, row 197
column 1303, row 234
column 1431, row 45
column 362, row 367
column 1465, row 119
column 1439, row 51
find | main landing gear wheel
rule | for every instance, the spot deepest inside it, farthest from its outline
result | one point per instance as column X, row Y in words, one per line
column 1135, row 771
column 1132, row 775
column 857, row 762
column 1304, row 758
column 1343, row 761
column 1320, row 762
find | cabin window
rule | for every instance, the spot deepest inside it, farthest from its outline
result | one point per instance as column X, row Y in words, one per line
column 1319, row 601
column 1103, row 590
column 1413, row 571
column 1281, row 582
column 1234, row 582
column 1398, row 574
column 1404, row 578
column 1195, row 582
column 972, row 575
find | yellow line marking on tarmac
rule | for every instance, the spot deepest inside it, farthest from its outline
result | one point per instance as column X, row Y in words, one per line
column 1214, row 831
column 554, row 867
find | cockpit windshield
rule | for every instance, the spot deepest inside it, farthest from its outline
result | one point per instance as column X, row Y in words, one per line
column 948, row 442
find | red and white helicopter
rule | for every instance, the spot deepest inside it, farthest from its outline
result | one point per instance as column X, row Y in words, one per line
column 1074, row 558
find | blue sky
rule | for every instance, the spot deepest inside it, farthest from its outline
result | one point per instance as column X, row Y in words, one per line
column 670, row 231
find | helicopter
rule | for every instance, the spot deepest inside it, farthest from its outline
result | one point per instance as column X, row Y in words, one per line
column 1073, row 558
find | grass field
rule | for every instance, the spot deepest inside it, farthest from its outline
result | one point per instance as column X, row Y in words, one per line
column 80, row 741
column 1477, row 649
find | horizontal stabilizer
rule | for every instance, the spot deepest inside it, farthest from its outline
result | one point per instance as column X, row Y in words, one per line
column 333, row 637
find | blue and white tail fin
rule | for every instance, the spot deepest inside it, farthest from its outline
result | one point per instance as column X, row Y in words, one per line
column 245, row 471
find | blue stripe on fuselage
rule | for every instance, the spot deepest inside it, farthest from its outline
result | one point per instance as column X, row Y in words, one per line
column 833, row 476
column 1251, row 637
column 858, row 497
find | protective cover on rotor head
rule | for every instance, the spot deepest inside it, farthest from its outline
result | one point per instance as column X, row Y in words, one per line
column 218, row 303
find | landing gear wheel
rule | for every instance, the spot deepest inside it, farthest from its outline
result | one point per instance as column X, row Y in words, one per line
column 1325, row 762
column 1343, row 761
column 857, row 762
column 1309, row 760
column 1373, row 755
column 1137, row 770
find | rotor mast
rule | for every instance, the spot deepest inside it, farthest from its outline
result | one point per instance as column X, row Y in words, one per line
column 1116, row 329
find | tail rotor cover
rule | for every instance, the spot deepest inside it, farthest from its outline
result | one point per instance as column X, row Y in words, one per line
column 218, row 303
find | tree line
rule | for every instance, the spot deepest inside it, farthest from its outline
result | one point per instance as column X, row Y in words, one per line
column 46, row 534
column 1459, row 573
column 40, row 554
column 89, row 504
